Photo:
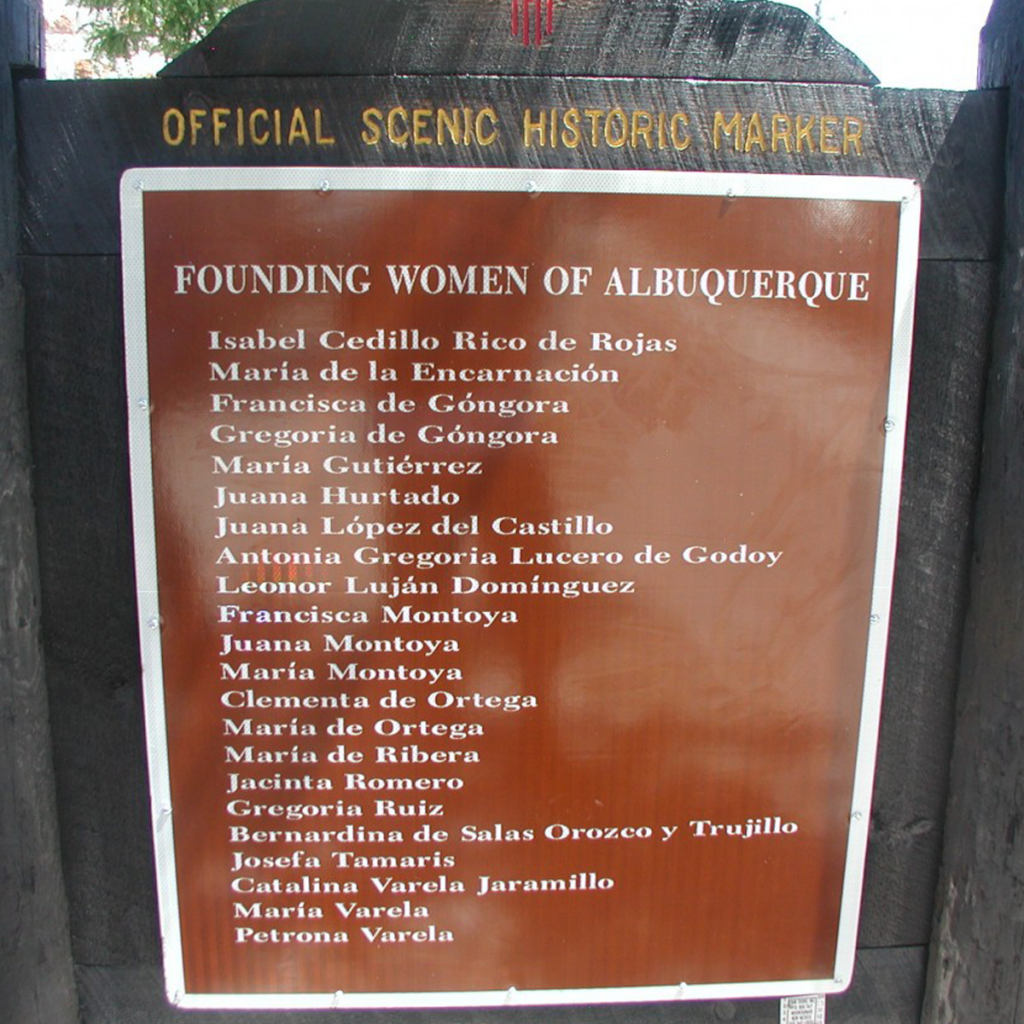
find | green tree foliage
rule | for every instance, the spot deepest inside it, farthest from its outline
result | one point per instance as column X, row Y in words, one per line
column 122, row 28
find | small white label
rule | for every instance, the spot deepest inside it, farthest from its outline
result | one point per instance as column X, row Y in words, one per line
column 802, row 1010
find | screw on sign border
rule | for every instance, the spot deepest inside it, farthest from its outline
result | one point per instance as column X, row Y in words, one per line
column 802, row 1010
column 533, row 19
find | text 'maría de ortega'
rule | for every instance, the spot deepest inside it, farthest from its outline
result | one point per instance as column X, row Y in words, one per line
column 402, row 128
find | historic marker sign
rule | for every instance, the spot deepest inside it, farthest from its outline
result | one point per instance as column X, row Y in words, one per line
column 514, row 555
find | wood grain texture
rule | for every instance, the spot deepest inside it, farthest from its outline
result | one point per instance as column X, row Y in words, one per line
column 76, row 389
column 962, row 216
column 1002, row 43
column 36, row 982
column 713, row 39
column 21, row 35
column 951, row 341
column 77, row 138
column 978, row 945
column 886, row 990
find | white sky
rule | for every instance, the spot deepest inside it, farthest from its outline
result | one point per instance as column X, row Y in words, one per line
column 907, row 43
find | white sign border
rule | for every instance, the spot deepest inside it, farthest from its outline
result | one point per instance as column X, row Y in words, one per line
column 136, row 182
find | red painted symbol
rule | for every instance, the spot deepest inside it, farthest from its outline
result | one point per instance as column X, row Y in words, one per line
column 534, row 18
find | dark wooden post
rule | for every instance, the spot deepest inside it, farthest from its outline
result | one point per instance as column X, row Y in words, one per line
column 36, row 980
column 977, row 956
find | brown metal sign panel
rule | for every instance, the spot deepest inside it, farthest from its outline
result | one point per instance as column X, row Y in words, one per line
column 514, row 555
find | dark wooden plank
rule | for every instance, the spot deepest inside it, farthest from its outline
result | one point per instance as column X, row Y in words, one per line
column 999, row 55
column 21, row 35
column 963, row 192
column 76, row 390
column 36, row 983
column 953, row 325
column 711, row 39
column 77, row 138
column 886, row 989
column 978, row 944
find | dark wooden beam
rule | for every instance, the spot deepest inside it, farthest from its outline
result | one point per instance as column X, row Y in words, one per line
column 36, row 980
column 21, row 35
column 77, row 138
column 976, row 974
